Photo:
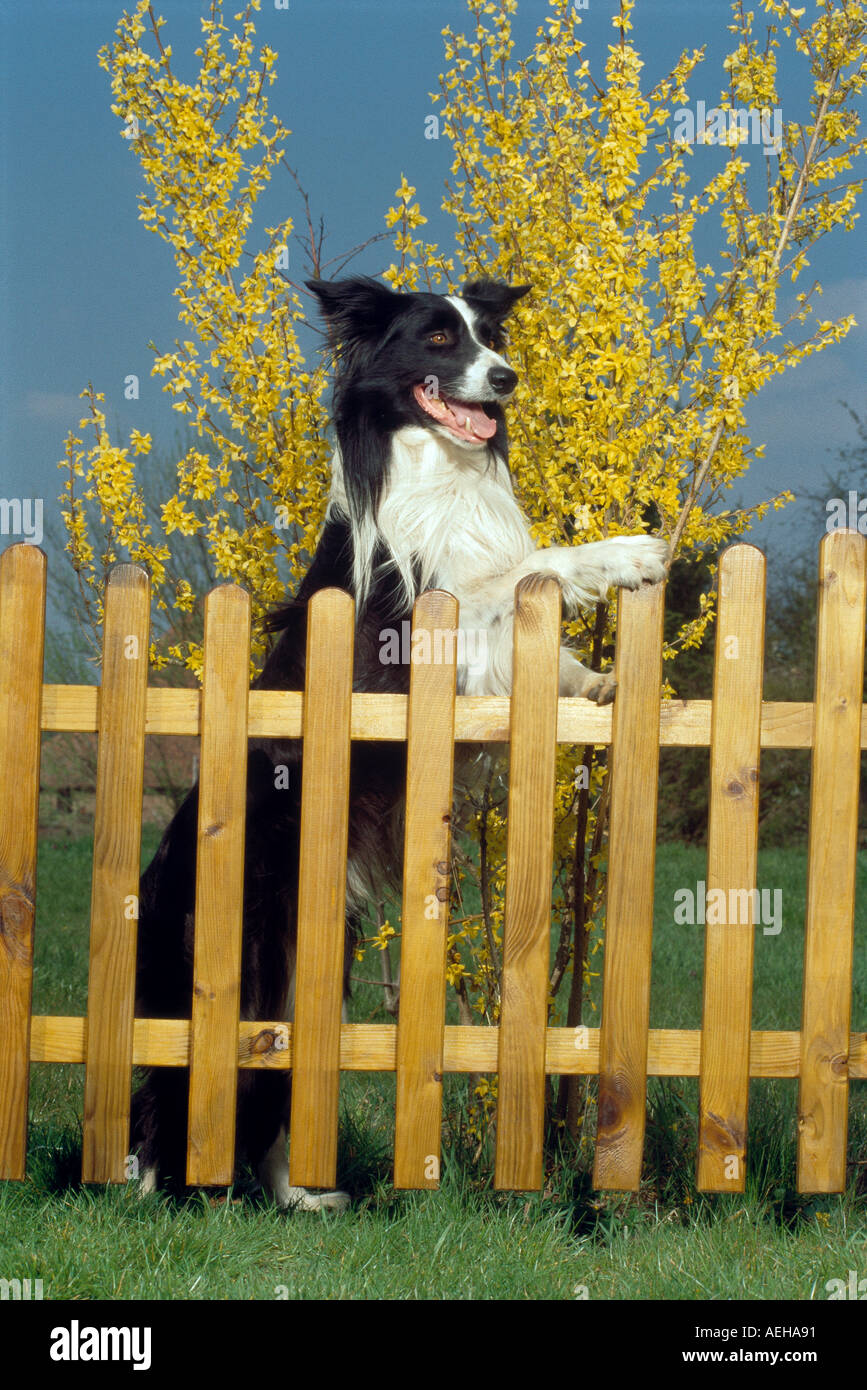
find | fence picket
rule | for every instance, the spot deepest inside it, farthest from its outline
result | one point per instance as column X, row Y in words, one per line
column 731, row 865
column 219, row 887
column 833, row 841
column 22, row 629
column 629, row 919
column 529, row 850
column 426, row 880
column 322, row 890
column 114, row 896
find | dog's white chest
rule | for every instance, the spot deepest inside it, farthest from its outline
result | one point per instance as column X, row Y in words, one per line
column 449, row 513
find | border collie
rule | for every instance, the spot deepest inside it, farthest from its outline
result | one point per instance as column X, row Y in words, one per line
column 421, row 497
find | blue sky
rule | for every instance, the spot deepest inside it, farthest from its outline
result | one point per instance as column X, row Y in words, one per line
column 85, row 286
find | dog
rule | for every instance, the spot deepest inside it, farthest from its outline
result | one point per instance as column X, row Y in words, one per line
column 421, row 497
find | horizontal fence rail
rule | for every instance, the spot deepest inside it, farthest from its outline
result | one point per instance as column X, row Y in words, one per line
column 825, row 1055
column 478, row 718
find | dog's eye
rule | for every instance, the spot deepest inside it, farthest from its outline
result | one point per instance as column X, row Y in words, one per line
column 440, row 338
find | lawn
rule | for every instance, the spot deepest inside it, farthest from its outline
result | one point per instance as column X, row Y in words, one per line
column 464, row 1241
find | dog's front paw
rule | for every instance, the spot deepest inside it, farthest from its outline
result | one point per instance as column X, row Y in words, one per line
column 576, row 679
column 602, row 690
column 636, row 560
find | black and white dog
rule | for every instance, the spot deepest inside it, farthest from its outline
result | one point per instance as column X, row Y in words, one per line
column 421, row 497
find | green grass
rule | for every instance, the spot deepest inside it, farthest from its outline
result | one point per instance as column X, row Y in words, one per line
column 464, row 1241
column 456, row 1243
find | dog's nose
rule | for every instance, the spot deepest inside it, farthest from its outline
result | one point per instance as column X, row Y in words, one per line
column 503, row 380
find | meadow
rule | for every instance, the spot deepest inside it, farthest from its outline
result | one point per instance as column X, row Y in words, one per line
column 465, row 1241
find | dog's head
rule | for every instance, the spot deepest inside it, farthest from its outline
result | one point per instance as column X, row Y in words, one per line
column 428, row 359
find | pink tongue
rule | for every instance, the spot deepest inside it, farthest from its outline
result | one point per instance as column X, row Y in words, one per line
column 479, row 423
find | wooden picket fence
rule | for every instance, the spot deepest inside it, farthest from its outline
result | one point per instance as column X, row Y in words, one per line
column 825, row 1055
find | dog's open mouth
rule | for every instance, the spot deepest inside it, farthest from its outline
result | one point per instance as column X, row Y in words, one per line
column 464, row 420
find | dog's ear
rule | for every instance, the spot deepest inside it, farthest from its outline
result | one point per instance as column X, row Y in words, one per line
column 493, row 297
column 357, row 309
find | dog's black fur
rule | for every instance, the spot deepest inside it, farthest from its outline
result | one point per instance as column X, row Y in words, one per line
column 421, row 497
column 166, row 918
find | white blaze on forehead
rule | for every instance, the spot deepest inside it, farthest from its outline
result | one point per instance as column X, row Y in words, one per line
column 466, row 314
column 475, row 384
